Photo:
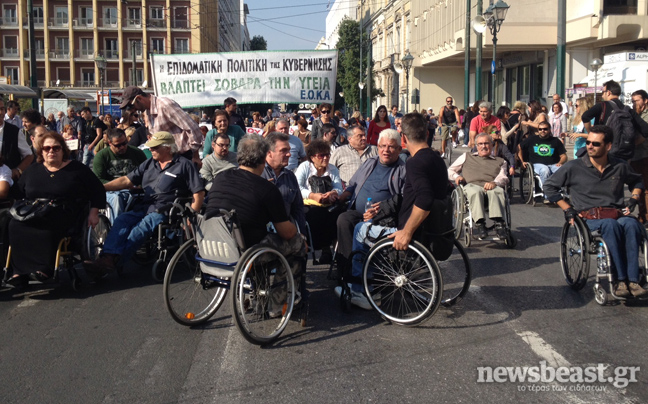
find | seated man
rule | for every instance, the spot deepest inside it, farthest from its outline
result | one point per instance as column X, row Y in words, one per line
column 221, row 159
column 545, row 152
column 116, row 161
column 162, row 177
column 425, row 182
column 483, row 175
column 595, row 184
column 379, row 178
column 349, row 157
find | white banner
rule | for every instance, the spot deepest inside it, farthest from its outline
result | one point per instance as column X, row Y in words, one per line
column 205, row 79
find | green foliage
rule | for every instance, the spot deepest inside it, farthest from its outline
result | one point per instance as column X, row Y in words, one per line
column 349, row 63
column 258, row 42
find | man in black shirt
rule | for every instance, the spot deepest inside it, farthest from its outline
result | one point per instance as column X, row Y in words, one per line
column 234, row 118
column 92, row 134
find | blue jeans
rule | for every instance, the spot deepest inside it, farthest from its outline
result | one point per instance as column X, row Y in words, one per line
column 544, row 172
column 117, row 201
column 359, row 236
column 86, row 155
column 623, row 237
column 130, row 230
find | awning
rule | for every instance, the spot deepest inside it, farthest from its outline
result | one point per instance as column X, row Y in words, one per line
column 78, row 95
column 18, row 91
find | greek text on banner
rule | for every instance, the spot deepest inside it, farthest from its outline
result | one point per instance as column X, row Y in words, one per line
column 201, row 79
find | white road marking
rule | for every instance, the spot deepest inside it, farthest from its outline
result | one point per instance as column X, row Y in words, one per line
column 543, row 349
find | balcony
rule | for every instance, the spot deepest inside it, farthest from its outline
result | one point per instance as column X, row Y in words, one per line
column 180, row 24
column 82, row 23
column 10, row 21
column 60, row 54
column 128, row 55
column 40, row 53
column 111, row 54
column 156, row 51
column 9, row 52
column 156, row 23
column 84, row 54
column 134, row 23
column 109, row 84
column 108, row 22
column 38, row 22
column 58, row 23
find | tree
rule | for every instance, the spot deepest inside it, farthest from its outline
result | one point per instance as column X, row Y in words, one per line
column 258, row 43
column 350, row 65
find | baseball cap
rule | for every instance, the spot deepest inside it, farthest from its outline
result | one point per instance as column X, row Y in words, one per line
column 160, row 138
column 129, row 94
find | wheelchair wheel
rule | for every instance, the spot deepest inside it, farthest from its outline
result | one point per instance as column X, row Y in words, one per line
column 574, row 253
column 263, row 294
column 94, row 238
column 457, row 274
column 600, row 295
column 643, row 263
column 190, row 296
column 510, row 239
column 467, row 233
column 458, row 207
column 527, row 185
column 147, row 253
column 403, row 286
column 448, row 153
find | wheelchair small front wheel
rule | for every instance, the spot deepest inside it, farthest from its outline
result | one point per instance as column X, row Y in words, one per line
column 600, row 295
column 158, row 270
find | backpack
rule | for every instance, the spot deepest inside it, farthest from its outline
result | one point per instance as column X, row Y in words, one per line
column 620, row 121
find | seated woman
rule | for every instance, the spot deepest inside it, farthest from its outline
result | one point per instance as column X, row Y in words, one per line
column 68, row 182
column 222, row 126
column 320, row 186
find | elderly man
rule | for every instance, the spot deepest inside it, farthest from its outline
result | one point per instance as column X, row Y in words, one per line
column 349, row 157
column 161, row 177
column 164, row 114
column 481, row 121
column 276, row 172
column 297, row 151
column 595, row 183
column 61, row 121
column 221, row 159
column 14, row 149
column 115, row 161
column 482, row 175
column 379, row 178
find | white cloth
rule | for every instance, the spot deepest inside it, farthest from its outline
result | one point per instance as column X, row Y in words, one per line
column 24, row 148
column 5, row 174
column 16, row 121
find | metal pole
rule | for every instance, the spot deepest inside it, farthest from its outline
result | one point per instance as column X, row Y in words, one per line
column 33, row 72
column 360, row 78
column 134, row 64
column 407, row 100
column 561, row 53
column 492, row 94
column 101, row 78
column 369, row 80
column 467, row 58
column 478, row 60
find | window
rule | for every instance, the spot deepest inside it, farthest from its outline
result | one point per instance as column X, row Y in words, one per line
column 62, row 47
column 139, row 76
column 110, row 16
column 38, row 15
column 86, row 16
column 397, row 40
column 9, row 15
column 180, row 19
column 87, row 77
column 112, row 50
column 157, row 45
column 138, row 47
column 61, row 16
column 181, row 45
column 12, row 74
column 40, row 47
column 390, row 43
column 134, row 16
column 87, row 47
column 157, row 13
column 10, row 46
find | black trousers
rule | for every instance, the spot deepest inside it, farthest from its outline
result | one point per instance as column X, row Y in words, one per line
column 346, row 222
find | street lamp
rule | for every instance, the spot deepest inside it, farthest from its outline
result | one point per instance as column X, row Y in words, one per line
column 341, row 94
column 101, row 63
column 494, row 16
column 361, row 87
column 595, row 65
column 407, row 64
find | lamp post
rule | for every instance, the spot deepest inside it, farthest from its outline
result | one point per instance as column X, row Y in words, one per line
column 595, row 65
column 407, row 64
column 101, row 63
column 494, row 16
column 341, row 94
column 361, row 87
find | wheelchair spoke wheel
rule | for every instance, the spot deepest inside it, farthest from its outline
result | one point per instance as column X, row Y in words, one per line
column 467, row 233
column 146, row 254
column 190, row 296
column 643, row 263
column 458, row 205
column 457, row 274
column 264, row 294
column 94, row 239
column 403, row 286
column 574, row 254
column 527, row 184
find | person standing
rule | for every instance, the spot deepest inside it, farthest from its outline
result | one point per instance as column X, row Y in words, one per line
column 92, row 134
column 326, row 114
column 297, row 151
column 393, row 115
column 639, row 162
column 12, row 116
column 448, row 119
column 14, row 149
column 481, row 121
column 379, row 123
column 234, row 118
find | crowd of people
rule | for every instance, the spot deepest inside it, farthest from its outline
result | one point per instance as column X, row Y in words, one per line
column 341, row 178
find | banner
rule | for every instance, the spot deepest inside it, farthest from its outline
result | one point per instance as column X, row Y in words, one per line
column 204, row 79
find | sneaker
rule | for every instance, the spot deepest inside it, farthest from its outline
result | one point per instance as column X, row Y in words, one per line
column 480, row 231
column 443, row 155
column 338, row 291
column 500, row 230
column 546, row 202
column 360, row 300
column 636, row 289
column 454, row 145
column 621, row 289
column 464, row 145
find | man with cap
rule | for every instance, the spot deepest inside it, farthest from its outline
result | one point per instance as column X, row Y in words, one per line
column 164, row 114
column 162, row 178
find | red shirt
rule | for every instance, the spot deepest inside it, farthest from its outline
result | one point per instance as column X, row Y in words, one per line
column 374, row 132
column 478, row 124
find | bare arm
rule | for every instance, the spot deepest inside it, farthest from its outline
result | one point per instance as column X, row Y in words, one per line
column 97, row 139
column 198, row 199
column 403, row 237
column 26, row 162
column 118, row 184
column 286, row 230
column 563, row 159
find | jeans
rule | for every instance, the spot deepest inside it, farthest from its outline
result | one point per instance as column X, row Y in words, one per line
column 130, row 230
column 117, row 201
column 544, row 172
column 623, row 237
column 360, row 233
column 86, row 156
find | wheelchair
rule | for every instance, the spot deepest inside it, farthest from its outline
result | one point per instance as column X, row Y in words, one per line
column 464, row 224
column 530, row 185
column 263, row 298
column 578, row 244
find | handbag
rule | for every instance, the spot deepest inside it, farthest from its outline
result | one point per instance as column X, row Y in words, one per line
column 320, row 185
column 28, row 209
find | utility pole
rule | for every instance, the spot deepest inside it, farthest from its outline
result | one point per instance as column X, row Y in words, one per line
column 561, row 53
column 467, row 58
column 360, row 79
column 478, row 59
column 33, row 79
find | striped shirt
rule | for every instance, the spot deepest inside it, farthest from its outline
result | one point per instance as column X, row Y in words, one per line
column 348, row 160
column 166, row 115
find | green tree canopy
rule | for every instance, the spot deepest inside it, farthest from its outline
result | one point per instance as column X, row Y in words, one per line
column 258, row 42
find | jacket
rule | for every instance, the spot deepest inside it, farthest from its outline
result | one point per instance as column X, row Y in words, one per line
column 396, row 178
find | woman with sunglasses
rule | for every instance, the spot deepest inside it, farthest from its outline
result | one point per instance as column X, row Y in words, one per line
column 320, row 186
column 379, row 123
column 72, row 186
column 325, row 116
column 579, row 134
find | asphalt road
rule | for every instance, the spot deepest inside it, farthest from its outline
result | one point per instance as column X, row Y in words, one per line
column 116, row 343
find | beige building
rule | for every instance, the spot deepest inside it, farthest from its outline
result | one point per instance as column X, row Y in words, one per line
column 71, row 34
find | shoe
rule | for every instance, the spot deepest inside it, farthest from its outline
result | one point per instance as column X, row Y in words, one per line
column 360, row 300
column 297, row 298
column 546, row 202
column 480, row 231
column 454, row 145
column 101, row 266
column 464, row 145
column 38, row 276
column 443, row 155
column 19, row 282
column 326, row 258
column 636, row 289
column 621, row 289
column 500, row 230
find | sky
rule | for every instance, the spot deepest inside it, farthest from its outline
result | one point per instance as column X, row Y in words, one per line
column 288, row 24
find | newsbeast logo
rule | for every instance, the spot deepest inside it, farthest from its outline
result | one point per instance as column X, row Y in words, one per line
column 582, row 378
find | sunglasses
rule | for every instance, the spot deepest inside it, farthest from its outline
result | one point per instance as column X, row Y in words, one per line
column 595, row 144
column 322, row 155
column 543, row 129
column 55, row 149
column 325, row 111
column 119, row 145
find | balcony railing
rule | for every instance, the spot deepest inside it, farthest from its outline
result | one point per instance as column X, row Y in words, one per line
column 58, row 22
column 179, row 24
column 40, row 53
column 180, row 51
column 128, row 54
column 134, row 23
column 38, row 21
column 108, row 22
column 85, row 83
column 9, row 52
column 111, row 54
column 60, row 54
column 83, row 22
column 111, row 83
column 62, row 83
column 156, row 51
column 156, row 23
column 84, row 54
column 10, row 21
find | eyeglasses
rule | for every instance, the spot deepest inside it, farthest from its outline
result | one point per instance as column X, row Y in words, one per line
column 119, row 145
column 322, row 155
column 54, row 149
column 222, row 145
column 483, row 144
column 543, row 129
column 595, row 144
column 325, row 111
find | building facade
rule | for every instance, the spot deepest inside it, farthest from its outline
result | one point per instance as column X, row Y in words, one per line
column 69, row 35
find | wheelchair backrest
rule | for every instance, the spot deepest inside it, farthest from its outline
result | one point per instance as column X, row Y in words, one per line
column 217, row 238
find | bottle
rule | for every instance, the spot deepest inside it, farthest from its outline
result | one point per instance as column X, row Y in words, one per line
column 601, row 259
column 368, row 206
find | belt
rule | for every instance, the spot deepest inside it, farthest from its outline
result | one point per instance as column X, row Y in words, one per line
column 601, row 213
